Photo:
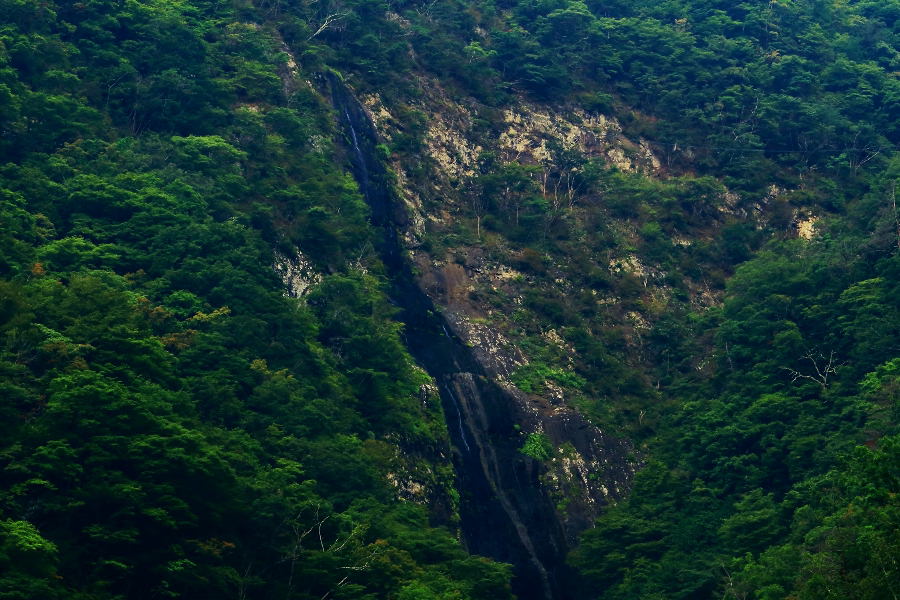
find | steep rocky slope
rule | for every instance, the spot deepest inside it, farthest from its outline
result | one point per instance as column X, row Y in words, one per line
column 532, row 470
column 323, row 300
column 524, row 412
column 517, row 508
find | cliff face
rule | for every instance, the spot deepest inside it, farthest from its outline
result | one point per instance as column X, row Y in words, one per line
column 514, row 507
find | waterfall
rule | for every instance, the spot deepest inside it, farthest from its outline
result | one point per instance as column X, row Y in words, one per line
column 500, row 486
column 462, row 430
column 506, row 513
column 363, row 178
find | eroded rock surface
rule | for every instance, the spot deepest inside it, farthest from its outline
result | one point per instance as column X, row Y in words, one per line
column 296, row 272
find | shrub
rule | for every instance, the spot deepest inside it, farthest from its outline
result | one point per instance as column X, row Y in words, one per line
column 537, row 446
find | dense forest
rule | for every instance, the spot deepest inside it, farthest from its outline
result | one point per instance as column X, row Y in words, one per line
column 178, row 421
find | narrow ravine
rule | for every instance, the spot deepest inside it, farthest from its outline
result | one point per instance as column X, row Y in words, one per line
column 506, row 513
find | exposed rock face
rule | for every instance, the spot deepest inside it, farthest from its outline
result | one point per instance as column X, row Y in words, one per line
column 806, row 227
column 491, row 349
column 296, row 272
column 591, row 471
column 455, row 155
column 530, row 129
column 585, row 478
column 513, row 508
column 453, row 145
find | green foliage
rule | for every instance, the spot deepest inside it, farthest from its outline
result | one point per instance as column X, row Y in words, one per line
column 537, row 446
column 843, row 542
column 760, row 490
column 533, row 377
column 28, row 562
column 172, row 424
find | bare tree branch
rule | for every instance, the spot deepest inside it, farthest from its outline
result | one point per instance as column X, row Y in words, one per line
column 823, row 368
column 328, row 23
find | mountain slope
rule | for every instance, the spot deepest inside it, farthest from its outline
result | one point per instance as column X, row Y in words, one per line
column 618, row 237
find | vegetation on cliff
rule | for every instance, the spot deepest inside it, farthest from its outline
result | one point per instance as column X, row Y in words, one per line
column 174, row 426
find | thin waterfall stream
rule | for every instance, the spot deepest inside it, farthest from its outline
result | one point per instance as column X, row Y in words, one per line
column 363, row 177
column 462, row 430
